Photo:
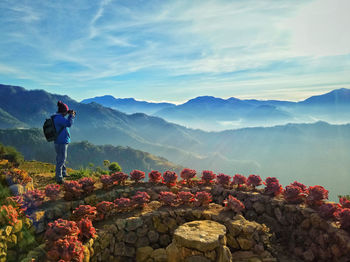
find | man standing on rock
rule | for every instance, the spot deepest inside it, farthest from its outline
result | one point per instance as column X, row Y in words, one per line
column 62, row 125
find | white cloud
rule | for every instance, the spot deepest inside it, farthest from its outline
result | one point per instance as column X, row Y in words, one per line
column 190, row 45
column 321, row 28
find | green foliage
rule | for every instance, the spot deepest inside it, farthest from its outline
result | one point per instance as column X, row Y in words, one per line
column 11, row 154
column 82, row 172
column 106, row 163
column 114, row 167
column 4, row 193
column 36, row 167
column 101, row 171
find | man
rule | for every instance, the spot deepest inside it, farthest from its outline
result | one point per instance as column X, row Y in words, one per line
column 62, row 125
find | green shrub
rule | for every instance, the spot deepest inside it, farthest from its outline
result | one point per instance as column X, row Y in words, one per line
column 114, row 167
column 11, row 154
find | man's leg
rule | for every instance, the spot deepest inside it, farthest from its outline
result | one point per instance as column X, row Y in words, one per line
column 64, row 171
column 60, row 159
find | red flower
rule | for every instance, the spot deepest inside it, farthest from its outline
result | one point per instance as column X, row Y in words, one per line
column 123, row 203
column 52, row 191
column 155, row 176
column 234, row 204
column 223, row 179
column 273, row 186
column 104, row 209
column 169, row 178
column 106, row 181
column 87, row 185
column 345, row 203
column 87, row 230
column 300, row 185
column 343, row 214
column 141, row 198
column 33, row 198
column 137, row 175
column 254, row 180
column 239, row 180
column 119, row 178
column 61, row 228
column 316, row 195
column 187, row 174
column 8, row 215
column 293, row 194
column 203, row 198
column 327, row 210
column 208, row 176
column 185, row 197
column 72, row 190
column 67, row 250
column 168, row 198
column 84, row 211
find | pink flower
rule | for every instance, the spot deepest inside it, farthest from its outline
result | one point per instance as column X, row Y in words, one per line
column 316, row 195
column 168, row 198
column 234, row 204
column 187, row 174
column 254, row 180
column 169, row 178
column 155, row 176
column 185, row 197
column 141, row 198
column 208, row 176
column 223, row 179
column 293, row 194
column 137, row 175
column 239, row 180
column 203, row 198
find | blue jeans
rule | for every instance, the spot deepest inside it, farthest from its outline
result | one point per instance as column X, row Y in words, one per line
column 61, row 156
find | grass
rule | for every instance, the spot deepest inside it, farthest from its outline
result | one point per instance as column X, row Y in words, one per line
column 86, row 172
column 36, row 167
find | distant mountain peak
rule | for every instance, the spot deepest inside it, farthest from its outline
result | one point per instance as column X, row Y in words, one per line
column 337, row 96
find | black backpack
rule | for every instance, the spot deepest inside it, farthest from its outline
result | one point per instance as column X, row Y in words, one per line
column 49, row 129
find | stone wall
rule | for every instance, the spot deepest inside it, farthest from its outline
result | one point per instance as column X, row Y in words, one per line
column 146, row 237
column 297, row 227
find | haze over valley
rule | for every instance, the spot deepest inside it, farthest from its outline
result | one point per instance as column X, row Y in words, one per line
column 312, row 153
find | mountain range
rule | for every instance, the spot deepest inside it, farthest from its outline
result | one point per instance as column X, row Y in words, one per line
column 33, row 146
column 314, row 153
column 217, row 114
column 128, row 105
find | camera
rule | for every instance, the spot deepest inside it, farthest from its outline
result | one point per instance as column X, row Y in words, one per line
column 71, row 112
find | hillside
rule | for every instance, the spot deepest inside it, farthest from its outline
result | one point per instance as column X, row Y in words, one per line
column 101, row 125
column 305, row 152
column 33, row 146
column 216, row 114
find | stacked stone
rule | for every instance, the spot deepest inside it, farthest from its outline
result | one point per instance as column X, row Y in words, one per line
column 148, row 236
column 300, row 228
column 248, row 239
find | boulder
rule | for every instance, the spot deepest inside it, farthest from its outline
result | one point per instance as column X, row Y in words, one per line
column 202, row 235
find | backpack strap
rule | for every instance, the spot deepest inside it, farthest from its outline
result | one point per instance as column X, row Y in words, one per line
column 52, row 117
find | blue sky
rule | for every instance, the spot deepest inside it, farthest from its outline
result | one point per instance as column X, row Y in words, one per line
column 176, row 50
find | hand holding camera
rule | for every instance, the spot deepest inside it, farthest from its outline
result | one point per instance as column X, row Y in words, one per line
column 71, row 112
